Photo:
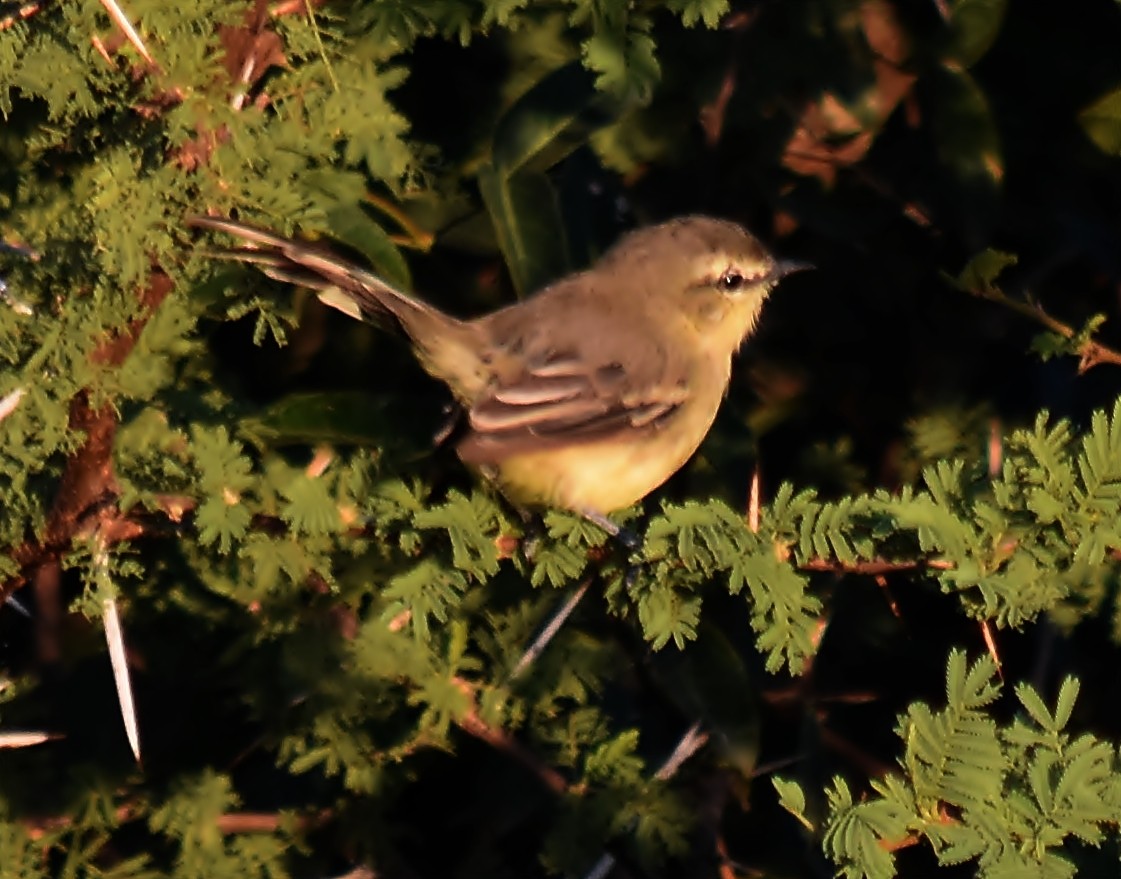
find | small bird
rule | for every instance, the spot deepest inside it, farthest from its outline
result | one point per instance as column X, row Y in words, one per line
column 591, row 393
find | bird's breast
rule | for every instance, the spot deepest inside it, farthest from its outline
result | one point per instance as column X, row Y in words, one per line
column 613, row 473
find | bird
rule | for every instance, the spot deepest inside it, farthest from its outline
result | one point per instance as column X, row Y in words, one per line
column 589, row 394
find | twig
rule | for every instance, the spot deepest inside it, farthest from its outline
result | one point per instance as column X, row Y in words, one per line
column 1091, row 353
column 690, row 743
column 231, row 822
column 319, row 44
column 475, row 726
column 418, row 238
column 270, row 822
column 873, row 567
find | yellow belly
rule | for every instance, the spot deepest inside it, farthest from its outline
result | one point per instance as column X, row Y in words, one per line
column 609, row 475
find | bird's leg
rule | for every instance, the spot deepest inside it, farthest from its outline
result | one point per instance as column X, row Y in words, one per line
column 627, row 538
column 533, row 532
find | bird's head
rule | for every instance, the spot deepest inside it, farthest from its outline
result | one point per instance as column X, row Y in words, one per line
column 714, row 272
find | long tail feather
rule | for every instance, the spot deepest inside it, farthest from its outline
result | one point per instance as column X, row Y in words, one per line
column 447, row 348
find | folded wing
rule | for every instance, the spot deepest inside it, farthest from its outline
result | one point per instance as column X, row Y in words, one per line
column 545, row 396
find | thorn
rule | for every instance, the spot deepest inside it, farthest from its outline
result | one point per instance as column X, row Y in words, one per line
column 26, row 739
column 549, row 632
column 996, row 448
column 114, row 638
column 753, row 501
column 990, row 643
column 15, row 603
column 689, row 744
column 8, row 404
column 121, row 20
column 319, row 463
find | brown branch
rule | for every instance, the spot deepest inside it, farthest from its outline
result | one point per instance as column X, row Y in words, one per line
column 873, row 567
column 475, row 726
column 231, row 822
column 88, row 489
column 417, row 238
column 48, row 616
column 271, row 822
column 1091, row 352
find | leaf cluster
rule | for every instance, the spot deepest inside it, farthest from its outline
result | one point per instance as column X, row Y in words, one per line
column 1008, row 796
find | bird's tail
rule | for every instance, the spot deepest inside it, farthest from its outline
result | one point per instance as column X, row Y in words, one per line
column 446, row 347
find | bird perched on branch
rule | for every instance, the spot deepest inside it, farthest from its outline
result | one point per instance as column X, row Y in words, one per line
column 591, row 393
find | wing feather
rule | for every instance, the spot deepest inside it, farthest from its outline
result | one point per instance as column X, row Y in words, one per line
column 564, row 400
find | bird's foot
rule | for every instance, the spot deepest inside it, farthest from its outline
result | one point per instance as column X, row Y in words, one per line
column 629, row 540
column 533, row 533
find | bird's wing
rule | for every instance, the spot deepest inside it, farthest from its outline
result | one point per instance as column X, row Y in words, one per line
column 550, row 392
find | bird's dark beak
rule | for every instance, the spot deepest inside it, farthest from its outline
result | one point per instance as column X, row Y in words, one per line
column 786, row 267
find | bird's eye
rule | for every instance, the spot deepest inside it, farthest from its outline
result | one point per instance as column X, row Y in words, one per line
column 731, row 282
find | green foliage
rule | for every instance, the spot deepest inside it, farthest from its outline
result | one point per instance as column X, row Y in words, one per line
column 337, row 635
column 1006, row 796
column 1102, row 122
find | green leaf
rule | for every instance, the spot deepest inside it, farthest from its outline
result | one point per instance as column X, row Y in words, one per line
column 221, row 522
column 351, row 224
column 527, row 220
column 1064, row 705
column 708, row 11
column 974, row 26
column 981, row 272
column 968, row 138
column 1035, row 708
column 791, row 798
column 311, row 510
column 427, row 591
column 710, row 681
column 615, row 760
column 341, row 417
column 624, row 62
column 550, row 120
column 471, row 523
column 1101, row 121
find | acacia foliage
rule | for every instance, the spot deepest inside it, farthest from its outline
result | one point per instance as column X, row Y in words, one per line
column 328, row 623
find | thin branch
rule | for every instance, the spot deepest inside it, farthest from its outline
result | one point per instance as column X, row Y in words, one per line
column 475, row 726
column 873, row 568
column 1091, row 353
column 231, row 822
column 418, row 238
column 270, row 822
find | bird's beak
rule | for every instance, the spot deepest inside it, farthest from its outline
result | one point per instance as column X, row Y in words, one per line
column 786, row 267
